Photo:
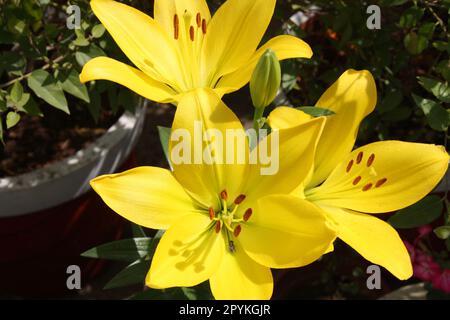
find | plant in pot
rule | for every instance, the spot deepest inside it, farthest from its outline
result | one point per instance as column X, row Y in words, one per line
column 56, row 133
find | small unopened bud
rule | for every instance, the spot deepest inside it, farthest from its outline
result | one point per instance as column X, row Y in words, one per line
column 266, row 80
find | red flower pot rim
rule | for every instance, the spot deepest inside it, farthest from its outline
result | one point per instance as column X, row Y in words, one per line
column 68, row 179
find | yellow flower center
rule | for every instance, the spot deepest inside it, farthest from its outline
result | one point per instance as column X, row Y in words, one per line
column 227, row 220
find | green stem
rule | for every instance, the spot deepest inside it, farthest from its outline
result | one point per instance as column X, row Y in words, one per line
column 259, row 113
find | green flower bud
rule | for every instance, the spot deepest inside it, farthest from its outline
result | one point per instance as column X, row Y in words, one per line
column 266, row 80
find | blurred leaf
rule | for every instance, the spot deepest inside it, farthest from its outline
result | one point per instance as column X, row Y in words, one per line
column 398, row 114
column 16, row 92
column 138, row 231
column 393, row 3
column 83, row 55
column 47, row 88
column 200, row 292
column 443, row 68
column 437, row 116
column 440, row 90
column 423, row 212
column 70, row 83
column 1, row 130
column 98, row 30
column 122, row 250
column 32, row 9
column 127, row 99
column 442, row 232
column 427, row 30
column 16, row 26
column 164, row 137
column 411, row 17
column 81, row 42
column 316, row 111
column 22, row 102
column 12, row 118
column 440, row 45
column 134, row 273
column 391, row 101
column 415, row 43
column 95, row 106
column 31, row 107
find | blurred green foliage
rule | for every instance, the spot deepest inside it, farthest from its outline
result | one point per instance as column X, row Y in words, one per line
column 41, row 57
column 408, row 56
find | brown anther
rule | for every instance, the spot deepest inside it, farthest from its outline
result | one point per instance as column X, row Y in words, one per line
column 218, row 226
column 204, row 26
column 359, row 158
column 224, row 195
column 367, row 187
column 199, row 20
column 248, row 214
column 371, row 160
column 239, row 199
column 191, row 33
column 212, row 214
column 237, row 231
column 357, row 180
column 349, row 166
column 176, row 26
column 380, row 182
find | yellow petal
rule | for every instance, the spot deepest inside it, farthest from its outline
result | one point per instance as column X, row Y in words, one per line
column 383, row 176
column 165, row 11
column 187, row 255
column 148, row 196
column 143, row 40
column 233, row 35
column 202, row 114
column 287, row 117
column 286, row 232
column 291, row 160
column 240, row 278
column 352, row 97
column 285, row 47
column 103, row 68
column 374, row 239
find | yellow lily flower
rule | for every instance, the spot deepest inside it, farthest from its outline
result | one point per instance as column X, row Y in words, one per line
column 183, row 48
column 225, row 222
column 379, row 177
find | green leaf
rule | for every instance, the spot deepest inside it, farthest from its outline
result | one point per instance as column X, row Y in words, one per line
column 440, row 90
column 81, row 42
column 83, row 55
column 122, row 250
column 423, row 212
column 200, row 292
column 16, row 92
column 95, row 106
column 1, row 131
column 391, row 101
column 411, row 17
column 437, row 116
column 393, row 3
column 71, row 84
column 133, row 274
column 98, row 30
column 47, row 88
column 32, row 108
column 316, row 111
column 23, row 101
column 443, row 67
column 442, row 232
column 398, row 114
column 414, row 43
column 164, row 136
column 12, row 118
column 427, row 30
column 138, row 231
column 440, row 45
